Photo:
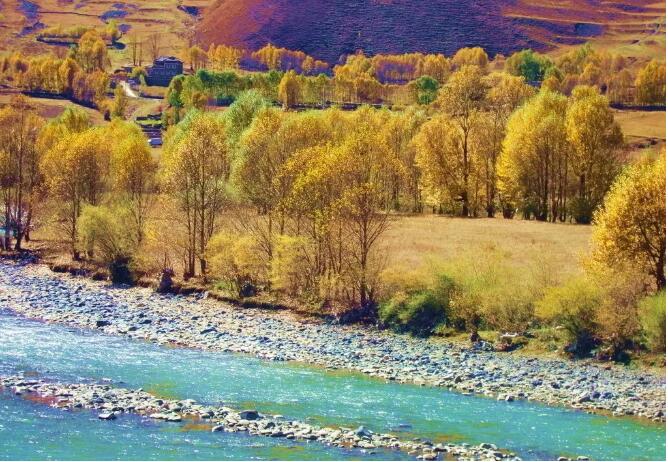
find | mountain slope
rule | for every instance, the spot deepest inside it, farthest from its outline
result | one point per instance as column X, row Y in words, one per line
column 329, row 29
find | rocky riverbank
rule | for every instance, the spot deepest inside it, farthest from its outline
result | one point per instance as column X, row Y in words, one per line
column 111, row 402
column 36, row 292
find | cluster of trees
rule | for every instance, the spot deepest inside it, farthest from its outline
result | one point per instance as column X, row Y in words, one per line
column 267, row 58
column 307, row 194
column 297, row 203
column 110, row 33
column 493, row 144
column 614, row 304
column 81, row 75
column 414, row 78
column 587, row 66
column 98, row 181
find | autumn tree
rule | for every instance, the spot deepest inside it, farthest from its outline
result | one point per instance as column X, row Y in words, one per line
column 630, row 228
column 462, row 99
column 154, row 42
column 533, row 166
column 651, row 83
column 195, row 172
column 91, row 52
column 75, row 171
column 596, row 138
column 197, row 57
column 506, row 93
column 364, row 164
column 120, row 103
column 475, row 56
column 259, row 167
column 132, row 175
column 398, row 131
column 19, row 168
column 289, row 90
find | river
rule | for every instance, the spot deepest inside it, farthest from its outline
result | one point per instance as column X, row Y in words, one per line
column 29, row 430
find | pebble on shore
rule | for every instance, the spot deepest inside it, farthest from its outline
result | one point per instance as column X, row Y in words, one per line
column 115, row 401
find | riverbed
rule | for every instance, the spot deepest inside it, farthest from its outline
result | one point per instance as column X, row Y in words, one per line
column 296, row 390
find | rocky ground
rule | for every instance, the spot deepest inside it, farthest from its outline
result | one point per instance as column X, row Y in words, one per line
column 111, row 402
column 36, row 292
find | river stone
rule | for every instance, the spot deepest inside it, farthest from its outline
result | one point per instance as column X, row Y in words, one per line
column 249, row 415
column 107, row 416
column 363, row 433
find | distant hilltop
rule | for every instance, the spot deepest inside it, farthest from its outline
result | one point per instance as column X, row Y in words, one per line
column 330, row 29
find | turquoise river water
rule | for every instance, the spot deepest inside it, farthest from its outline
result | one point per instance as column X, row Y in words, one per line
column 33, row 431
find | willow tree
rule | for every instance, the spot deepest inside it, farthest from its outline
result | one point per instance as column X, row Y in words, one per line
column 195, row 172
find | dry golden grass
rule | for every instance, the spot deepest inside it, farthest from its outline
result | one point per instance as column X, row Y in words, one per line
column 642, row 124
column 413, row 241
column 143, row 17
column 51, row 108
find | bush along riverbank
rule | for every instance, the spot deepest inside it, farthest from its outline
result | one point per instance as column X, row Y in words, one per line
column 110, row 402
column 36, row 292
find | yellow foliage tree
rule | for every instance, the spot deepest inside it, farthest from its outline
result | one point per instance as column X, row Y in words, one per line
column 289, row 89
column 631, row 226
column 195, row 172
column 651, row 83
column 75, row 170
column 596, row 138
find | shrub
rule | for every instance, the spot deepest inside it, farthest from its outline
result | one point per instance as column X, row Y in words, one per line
column 617, row 315
column 652, row 310
column 487, row 289
column 574, row 306
column 238, row 261
column 418, row 313
column 290, row 271
column 103, row 235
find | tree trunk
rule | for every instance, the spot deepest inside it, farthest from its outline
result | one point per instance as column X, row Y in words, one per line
column 661, row 271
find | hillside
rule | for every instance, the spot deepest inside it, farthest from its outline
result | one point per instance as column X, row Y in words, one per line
column 330, row 29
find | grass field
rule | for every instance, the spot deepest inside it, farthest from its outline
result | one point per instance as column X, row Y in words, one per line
column 643, row 124
column 50, row 108
column 415, row 240
column 141, row 18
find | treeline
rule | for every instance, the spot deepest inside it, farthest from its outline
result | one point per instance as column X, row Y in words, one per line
column 610, row 73
column 109, row 33
column 296, row 204
column 81, row 75
column 268, row 58
column 205, row 87
column 415, row 78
